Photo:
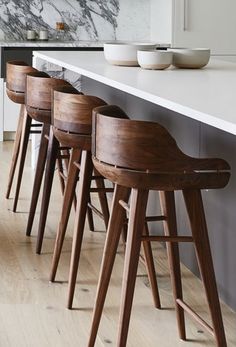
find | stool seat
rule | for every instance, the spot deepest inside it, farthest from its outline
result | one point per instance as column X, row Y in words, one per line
column 39, row 115
column 16, row 72
column 168, row 181
column 15, row 96
column 69, row 139
column 39, row 94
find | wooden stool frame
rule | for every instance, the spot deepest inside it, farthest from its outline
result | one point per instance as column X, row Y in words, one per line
column 156, row 164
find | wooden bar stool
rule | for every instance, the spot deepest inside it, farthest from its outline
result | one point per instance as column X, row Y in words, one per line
column 72, row 120
column 16, row 72
column 39, row 87
column 156, row 163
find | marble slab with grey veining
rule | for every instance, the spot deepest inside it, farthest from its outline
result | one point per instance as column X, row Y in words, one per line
column 84, row 19
column 51, row 43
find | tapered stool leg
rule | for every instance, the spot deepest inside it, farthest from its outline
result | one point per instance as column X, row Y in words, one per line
column 136, row 224
column 38, row 176
column 67, row 162
column 103, row 199
column 170, row 229
column 90, row 216
column 86, row 168
column 22, row 154
column 60, row 169
column 52, row 152
column 116, row 222
column 16, row 149
column 66, row 208
column 149, row 262
column 197, row 219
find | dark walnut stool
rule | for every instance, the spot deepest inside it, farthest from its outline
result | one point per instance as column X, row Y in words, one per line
column 39, row 86
column 143, row 156
column 72, row 121
column 16, row 72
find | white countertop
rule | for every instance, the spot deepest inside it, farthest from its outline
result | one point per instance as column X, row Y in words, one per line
column 50, row 43
column 207, row 95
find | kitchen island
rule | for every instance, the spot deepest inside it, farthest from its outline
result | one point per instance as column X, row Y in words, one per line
column 206, row 95
column 198, row 108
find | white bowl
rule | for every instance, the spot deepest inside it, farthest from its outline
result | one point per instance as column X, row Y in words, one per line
column 155, row 60
column 124, row 53
column 190, row 58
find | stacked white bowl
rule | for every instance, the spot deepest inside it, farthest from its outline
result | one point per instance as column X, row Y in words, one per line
column 148, row 57
column 190, row 58
column 155, row 59
column 124, row 53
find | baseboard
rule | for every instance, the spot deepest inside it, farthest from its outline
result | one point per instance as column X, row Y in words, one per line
column 9, row 135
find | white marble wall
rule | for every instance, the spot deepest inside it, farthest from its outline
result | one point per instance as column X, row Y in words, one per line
column 133, row 21
column 85, row 19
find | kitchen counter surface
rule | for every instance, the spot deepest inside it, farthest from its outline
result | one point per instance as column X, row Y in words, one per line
column 50, row 43
column 207, row 95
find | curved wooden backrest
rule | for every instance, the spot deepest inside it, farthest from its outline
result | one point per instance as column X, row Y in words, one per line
column 142, row 145
column 39, row 86
column 16, row 72
column 110, row 111
column 72, row 111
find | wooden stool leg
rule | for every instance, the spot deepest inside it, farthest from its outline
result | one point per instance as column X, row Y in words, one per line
column 170, row 227
column 196, row 215
column 117, row 218
column 22, row 154
column 16, row 149
column 137, row 214
column 52, row 152
column 38, row 176
column 64, row 168
column 103, row 199
column 90, row 216
column 149, row 262
column 61, row 169
column 66, row 208
column 86, row 168
column 59, row 165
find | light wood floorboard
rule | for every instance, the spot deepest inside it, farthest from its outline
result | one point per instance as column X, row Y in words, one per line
column 32, row 310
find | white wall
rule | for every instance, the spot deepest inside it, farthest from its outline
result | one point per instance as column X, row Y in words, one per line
column 161, row 14
column 133, row 21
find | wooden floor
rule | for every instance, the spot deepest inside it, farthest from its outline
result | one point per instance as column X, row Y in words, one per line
column 32, row 310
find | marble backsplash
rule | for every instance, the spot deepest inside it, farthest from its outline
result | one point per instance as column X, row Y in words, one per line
column 84, row 19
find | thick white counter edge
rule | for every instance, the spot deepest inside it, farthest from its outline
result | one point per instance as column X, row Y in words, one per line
column 204, row 117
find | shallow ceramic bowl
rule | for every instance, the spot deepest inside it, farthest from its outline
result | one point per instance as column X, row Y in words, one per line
column 124, row 53
column 190, row 58
column 155, row 60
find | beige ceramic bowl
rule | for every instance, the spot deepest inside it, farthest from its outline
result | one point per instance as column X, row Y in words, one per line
column 190, row 58
column 155, row 60
column 124, row 53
